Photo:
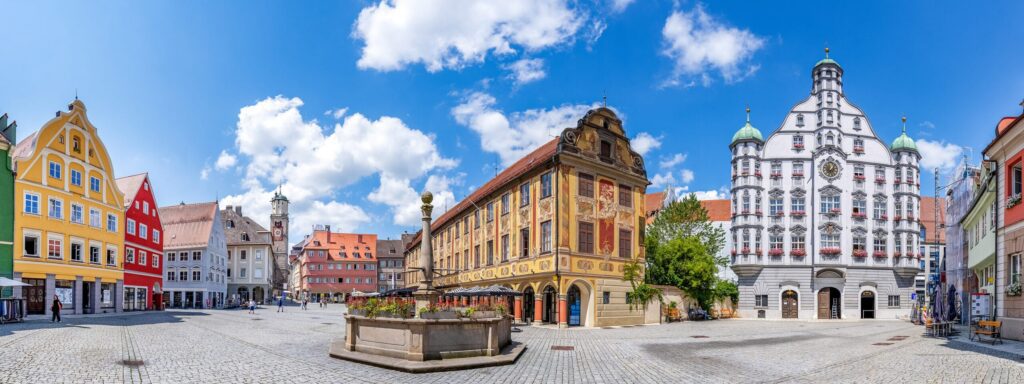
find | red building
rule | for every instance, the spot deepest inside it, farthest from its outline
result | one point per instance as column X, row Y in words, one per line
column 143, row 245
column 333, row 265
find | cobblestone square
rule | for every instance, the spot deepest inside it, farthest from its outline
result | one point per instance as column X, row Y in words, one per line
column 233, row 347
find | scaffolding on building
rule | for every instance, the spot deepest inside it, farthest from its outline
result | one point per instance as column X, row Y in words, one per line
column 964, row 181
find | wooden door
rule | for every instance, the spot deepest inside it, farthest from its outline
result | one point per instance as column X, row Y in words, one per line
column 823, row 301
column 35, row 296
column 790, row 309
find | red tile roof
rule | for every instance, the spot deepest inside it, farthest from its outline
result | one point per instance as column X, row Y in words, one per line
column 188, row 225
column 517, row 169
column 344, row 242
column 718, row 210
column 653, row 202
column 129, row 186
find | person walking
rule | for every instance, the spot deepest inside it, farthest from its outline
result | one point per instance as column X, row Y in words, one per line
column 252, row 307
column 280, row 304
column 55, row 308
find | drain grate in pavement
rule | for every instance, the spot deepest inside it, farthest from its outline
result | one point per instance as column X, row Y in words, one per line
column 700, row 337
column 562, row 348
column 132, row 363
column 897, row 338
column 882, row 344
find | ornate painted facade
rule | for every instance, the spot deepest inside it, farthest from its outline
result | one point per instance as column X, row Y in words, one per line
column 558, row 225
column 69, row 218
column 825, row 216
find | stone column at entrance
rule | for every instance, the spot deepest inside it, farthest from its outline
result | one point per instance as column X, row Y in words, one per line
column 51, row 290
column 563, row 311
column 96, row 296
column 78, row 295
column 119, row 296
column 518, row 309
column 538, row 310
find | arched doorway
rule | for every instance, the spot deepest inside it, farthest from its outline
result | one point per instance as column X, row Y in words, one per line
column 550, row 301
column 528, row 305
column 790, row 306
column 257, row 294
column 573, row 299
column 243, row 294
column 867, row 305
column 829, row 304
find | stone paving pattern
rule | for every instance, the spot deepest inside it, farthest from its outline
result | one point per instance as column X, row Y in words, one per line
column 234, row 347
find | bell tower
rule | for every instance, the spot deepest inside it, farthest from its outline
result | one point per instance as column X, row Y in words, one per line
column 279, row 240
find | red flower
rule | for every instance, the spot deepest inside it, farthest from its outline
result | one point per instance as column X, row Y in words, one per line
column 860, row 253
column 879, row 254
column 775, row 252
column 798, row 252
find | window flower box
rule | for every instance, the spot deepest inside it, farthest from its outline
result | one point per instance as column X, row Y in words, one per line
column 897, row 182
column 758, row 213
column 879, row 180
column 858, row 177
column 1013, row 201
column 745, row 173
column 1013, row 289
column 798, row 252
column 757, row 174
column 798, row 146
column 830, row 251
column 775, row 252
column 898, row 218
column 897, row 254
column 780, row 214
column 860, row 253
column 835, row 211
column 745, row 251
column 758, row 252
column 880, row 254
column 745, row 212
column 858, row 149
column 734, row 252
column 860, row 215
column 884, row 217
column 798, row 213
column 798, row 174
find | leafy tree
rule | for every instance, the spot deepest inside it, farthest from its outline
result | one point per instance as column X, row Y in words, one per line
column 726, row 289
column 682, row 246
column 641, row 293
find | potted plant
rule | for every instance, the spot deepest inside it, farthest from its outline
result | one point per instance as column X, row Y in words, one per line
column 879, row 254
column 798, row 252
column 1013, row 201
column 483, row 311
column 860, row 253
column 775, row 252
column 1014, row 289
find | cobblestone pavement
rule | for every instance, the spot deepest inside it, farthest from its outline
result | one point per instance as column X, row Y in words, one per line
column 234, row 347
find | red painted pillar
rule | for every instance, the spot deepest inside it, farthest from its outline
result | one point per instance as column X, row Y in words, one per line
column 563, row 311
column 518, row 309
column 538, row 309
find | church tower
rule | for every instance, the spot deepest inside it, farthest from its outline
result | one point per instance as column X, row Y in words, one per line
column 279, row 239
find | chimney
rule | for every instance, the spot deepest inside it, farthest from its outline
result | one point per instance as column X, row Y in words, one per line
column 360, row 239
column 328, row 234
column 238, row 210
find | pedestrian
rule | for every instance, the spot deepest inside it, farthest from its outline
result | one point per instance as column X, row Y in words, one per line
column 57, row 306
column 252, row 306
column 305, row 302
column 280, row 304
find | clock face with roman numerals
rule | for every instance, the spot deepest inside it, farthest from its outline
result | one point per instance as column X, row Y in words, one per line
column 830, row 169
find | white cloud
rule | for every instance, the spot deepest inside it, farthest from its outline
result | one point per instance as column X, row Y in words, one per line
column 672, row 161
column 720, row 193
column 698, row 44
column 451, row 34
column 515, row 135
column 337, row 114
column 662, row 180
column 687, row 176
column 225, row 161
column 620, row 5
column 312, row 163
column 644, row 142
column 205, row 173
column 938, row 154
column 526, row 70
column 927, row 124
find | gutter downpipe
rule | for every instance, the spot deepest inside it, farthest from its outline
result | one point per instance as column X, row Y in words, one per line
column 995, row 263
column 558, row 277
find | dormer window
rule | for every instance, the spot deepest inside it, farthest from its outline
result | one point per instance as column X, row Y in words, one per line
column 858, row 145
column 245, row 236
column 606, row 149
column 231, row 223
column 798, row 142
column 800, row 120
column 76, row 144
column 856, row 123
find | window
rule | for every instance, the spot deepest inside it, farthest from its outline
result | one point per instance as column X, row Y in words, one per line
column 170, row 256
column 143, row 230
column 76, row 144
column 798, row 169
column 156, row 236
column 585, row 237
column 625, row 196
column 56, row 208
column 860, row 207
column 77, row 214
column 798, row 242
column 761, row 301
column 879, row 244
column 31, row 203
column 94, row 217
column 145, row 207
column 524, row 240
column 860, row 243
column 197, row 275
column 586, row 185
column 545, row 185
column 775, row 206
column 183, row 275
column 76, row 178
column 800, row 120
column 55, row 170
column 830, row 240
column 197, row 255
column 241, row 273
column 606, row 297
column 879, row 210
column 111, row 222
column 111, row 256
column 490, row 212
column 894, row 301
column 142, row 258
column 129, row 255
column 504, row 248
column 31, row 245
column 76, row 252
column 775, row 242
column 524, row 194
column 94, row 184
column 54, row 248
column 830, row 204
column 606, row 149
column 490, row 252
column 1015, row 277
column 257, row 273
column 94, row 254
column 625, row 243
column 258, row 254
column 244, row 236
column 545, row 236
column 798, row 141
column 798, row 204
column 170, row 275
column 506, row 203
column 241, row 254
column 476, row 256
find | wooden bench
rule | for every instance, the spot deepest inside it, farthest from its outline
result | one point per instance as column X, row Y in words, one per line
column 990, row 329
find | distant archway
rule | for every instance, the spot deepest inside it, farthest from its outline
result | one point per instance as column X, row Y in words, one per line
column 550, row 302
column 528, row 304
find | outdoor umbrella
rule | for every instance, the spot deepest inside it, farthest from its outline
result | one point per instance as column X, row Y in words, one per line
column 951, row 299
column 5, row 282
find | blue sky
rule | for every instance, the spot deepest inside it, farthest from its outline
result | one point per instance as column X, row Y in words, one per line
column 437, row 94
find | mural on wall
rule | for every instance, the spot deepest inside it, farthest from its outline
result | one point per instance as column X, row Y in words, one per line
column 606, row 210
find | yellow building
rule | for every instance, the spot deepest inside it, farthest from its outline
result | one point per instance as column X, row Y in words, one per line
column 559, row 226
column 68, row 221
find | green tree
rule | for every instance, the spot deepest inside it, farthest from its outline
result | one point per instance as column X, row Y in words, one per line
column 682, row 246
